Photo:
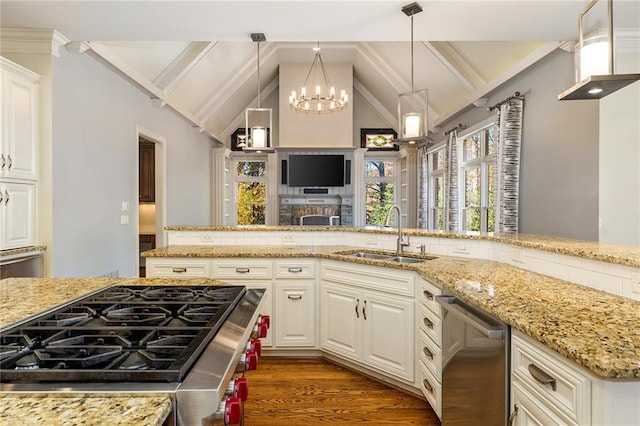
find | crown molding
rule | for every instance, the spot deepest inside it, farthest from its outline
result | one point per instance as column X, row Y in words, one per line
column 32, row 41
column 77, row 47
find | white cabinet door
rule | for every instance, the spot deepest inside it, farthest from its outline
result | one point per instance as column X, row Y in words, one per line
column 295, row 311
column 389, row 342
column 17, row 215
column 19, row 127
column 531, row 411
column 340, row 327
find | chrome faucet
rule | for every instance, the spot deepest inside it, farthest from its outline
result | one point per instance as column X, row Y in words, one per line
column 401, row 244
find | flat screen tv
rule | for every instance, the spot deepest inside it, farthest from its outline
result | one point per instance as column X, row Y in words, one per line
column 316, row 170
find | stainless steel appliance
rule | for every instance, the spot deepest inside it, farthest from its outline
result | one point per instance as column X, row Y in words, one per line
column 21, row 266
column 475, row 365
column 194, row 342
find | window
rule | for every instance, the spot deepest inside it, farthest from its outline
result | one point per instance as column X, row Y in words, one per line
column 435, row 161
column 251, row 190
column 380, row 183
column 477, row 179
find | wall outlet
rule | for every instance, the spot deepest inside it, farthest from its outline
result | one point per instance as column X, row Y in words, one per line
column 517, row 256
column 124, row 219
column 287, row 238
column 460, row 248
column 635, row 282
column 125, row 206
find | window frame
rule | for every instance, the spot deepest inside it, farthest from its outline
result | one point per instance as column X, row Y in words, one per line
column 432, row 175
column 482, row 162
column 377, row 156
column 235, row 160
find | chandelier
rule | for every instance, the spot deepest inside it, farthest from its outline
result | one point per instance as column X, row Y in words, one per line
column 320, row 102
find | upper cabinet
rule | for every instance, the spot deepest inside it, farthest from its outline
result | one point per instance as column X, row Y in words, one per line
column 18, row 149
column 147, row 174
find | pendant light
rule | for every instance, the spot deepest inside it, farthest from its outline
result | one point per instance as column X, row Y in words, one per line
column 324, row 99
column 595, row 67
column 258, row 121
column 412, row 106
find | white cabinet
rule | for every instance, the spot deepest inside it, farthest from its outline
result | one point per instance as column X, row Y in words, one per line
column 18, row 149
column 295, row 303
column 296, row 314
column 177, row 267
column 17, row 215
column 430, row 344
column 18, row 156
column 373, row 327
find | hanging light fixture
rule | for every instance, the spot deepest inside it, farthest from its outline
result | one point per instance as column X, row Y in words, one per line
column 258, row 121
column 324, row 98
column 412, row 106
column 595, row 67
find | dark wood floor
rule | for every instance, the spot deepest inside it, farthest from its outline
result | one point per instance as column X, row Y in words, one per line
column 286, row 391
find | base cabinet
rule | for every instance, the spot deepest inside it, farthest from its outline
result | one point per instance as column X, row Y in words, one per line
column 375, row 329
column 530, row 411
column 295, row 310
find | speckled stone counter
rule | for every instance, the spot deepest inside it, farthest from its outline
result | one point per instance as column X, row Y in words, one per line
column 24, row 297
column 22, row 251
column 622, row 255
column 595, row 329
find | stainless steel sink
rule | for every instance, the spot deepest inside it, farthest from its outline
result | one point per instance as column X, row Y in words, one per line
column 404, row 259
column 367, row 255
column 387, row 257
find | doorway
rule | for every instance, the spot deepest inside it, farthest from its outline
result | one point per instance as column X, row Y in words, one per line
column 150, row 190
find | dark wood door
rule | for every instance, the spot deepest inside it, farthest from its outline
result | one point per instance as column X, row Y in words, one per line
column 147, row 172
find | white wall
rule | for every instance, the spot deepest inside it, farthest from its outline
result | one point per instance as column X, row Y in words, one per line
column 302, row 130
column 366, row 117
column 95, row 112
column 559, row 156
column 619, row 184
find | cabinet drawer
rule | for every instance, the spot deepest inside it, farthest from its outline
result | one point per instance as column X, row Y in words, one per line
column 242, row 268
column 295, row 268
column 568, row 390
column 532, row 411
column 372, row 277
column 430, row 324
column 431, row 388
column 428, row 293
column 177, row 268
column 431, row 355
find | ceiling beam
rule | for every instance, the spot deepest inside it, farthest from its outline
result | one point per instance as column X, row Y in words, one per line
column 169, row 78
column 456, row 65
column 239, row 120
column 388, row 116
column 388, row 73
column 243, row 75
column 101, row 52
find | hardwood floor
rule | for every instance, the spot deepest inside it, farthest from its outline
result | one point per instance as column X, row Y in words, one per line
column 285, row 391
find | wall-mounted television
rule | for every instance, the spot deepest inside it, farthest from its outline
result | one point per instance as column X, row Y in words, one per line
column 316, row 170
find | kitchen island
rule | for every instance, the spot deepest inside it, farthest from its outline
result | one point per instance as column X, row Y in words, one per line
column 23, row 298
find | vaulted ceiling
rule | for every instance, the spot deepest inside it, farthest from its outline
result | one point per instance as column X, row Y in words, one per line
column 197, row 57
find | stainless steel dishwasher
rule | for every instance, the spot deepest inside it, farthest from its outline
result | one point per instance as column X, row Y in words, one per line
column 475, row 365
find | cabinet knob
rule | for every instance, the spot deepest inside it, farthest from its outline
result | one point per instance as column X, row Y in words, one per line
column 428, row 294
column 295, row 270
column 179, row 270
column 243, row 270
column 427, row 353
column 428, row 323
column 294, row 296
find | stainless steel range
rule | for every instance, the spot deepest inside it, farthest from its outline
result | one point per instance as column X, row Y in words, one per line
column 194, row 342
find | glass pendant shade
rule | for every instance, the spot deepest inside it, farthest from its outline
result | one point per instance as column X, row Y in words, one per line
column 257, row 127
column 592, row 56
column 413, row 118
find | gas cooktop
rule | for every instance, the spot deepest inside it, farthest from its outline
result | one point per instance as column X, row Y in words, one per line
column 122, row 333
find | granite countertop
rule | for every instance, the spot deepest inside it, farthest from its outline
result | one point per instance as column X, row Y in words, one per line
column 595, row 329
column 22, row 250
column 623, row 255
column 25, row 297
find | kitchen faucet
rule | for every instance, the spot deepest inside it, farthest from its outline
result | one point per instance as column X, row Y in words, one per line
column 401, row 244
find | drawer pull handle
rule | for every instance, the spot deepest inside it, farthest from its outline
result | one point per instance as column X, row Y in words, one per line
column 427, row 353
column 294, row 296
column 357, row 304
column 3, row 161
column 179, row 270
column 243, row 270
column 427, row 385
column 295, row 270
column 10, row 162
column 428, row 323
column 428, row 294
column 541, row 376
column 364, row 310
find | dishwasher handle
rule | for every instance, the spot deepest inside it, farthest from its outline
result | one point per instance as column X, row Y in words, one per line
column 454, row 306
